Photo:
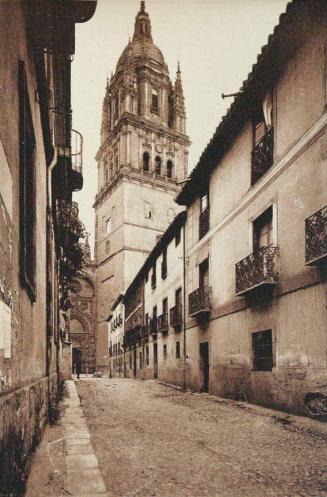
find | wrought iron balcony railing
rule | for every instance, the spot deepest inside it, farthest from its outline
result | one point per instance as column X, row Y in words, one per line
column 199, row 301
column 132, row 337
column 163, row 325
column 316, row 237
column 262, row 156
column 176, row 317
column 256, row 270
column 204, row 222
column 144, row 331
column 70, row 155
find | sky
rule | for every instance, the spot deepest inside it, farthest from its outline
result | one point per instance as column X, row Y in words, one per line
column 216, row 42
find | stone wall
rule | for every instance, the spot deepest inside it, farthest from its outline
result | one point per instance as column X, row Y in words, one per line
column 23, row 415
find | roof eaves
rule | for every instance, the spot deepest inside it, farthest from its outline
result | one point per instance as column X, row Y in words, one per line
column 166, row 238
column 205, row 164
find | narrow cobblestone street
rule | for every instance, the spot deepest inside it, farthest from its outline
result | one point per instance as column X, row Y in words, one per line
column 151, row 440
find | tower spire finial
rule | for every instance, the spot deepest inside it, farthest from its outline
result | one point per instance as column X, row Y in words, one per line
column 142, row 28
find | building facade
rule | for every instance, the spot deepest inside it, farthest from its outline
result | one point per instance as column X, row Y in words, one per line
column 154, row 312
column 37, row 180
column 142, row 158
column 255, row 238
column 82, row 319
column 116, row 338
column 256, row 229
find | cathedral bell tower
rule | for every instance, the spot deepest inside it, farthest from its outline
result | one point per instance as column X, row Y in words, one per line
column 141, row 161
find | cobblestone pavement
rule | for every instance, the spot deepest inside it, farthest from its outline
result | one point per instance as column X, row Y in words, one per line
column 151, row 440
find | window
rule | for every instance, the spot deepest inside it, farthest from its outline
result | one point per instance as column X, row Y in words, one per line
column 146, row 161
column 154, row 319
column 108, row 225
column 147, row 210
column 169, row 169
column 106, row 175
column 164, row 264
column 165, row 351
column 263, row 230
column 204, row 203
column 154, row 277
column 204, row 273
column 178, row 237
column 154, row 102
column 262, row 121
column 178, row 350
column 262, row 153
column 107, row 247
column 158, row 165
column 130, row 361
column 178, row 297
column 204, row 215
column 141, row 362
column 262, row 351
column 147, row 355
column 27, row 189
column 165, row 307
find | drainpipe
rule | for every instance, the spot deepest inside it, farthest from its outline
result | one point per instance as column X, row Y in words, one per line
column 184, row 312
column 49, row 212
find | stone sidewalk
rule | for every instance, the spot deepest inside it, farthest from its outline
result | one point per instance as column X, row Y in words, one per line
column 65, row 462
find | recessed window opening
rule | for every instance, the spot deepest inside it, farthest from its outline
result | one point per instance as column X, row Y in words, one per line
column 263, row 230
column 146, row 161
column 170, row 167
column 154, row 101
column 158, row 165
column 262, row 350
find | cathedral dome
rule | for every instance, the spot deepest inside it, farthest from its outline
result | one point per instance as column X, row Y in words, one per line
column 139, row 49
column 141, row 45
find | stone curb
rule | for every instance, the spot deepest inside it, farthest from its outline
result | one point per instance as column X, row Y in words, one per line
column 83, row 477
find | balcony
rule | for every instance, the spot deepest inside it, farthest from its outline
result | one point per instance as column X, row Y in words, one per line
column 204, row 222
column 144, row 331
column 199, row 301
column 316, row 238
column 176, row 317
column 257, row 270
column 163, row 325
column 132, row 336
column 262, row 156
column 69, row 169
